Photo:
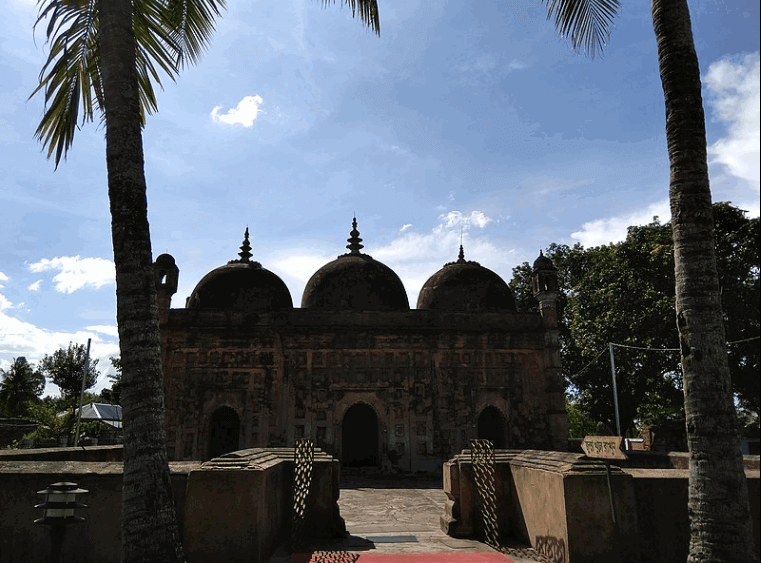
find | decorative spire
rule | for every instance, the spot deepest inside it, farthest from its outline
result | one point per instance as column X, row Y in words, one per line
column 245, row 249
column 354, row 241
column 461, row 256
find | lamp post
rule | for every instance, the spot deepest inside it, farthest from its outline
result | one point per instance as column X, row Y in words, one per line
column 58, row 513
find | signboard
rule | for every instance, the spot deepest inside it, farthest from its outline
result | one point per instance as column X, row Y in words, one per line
column 603, row 447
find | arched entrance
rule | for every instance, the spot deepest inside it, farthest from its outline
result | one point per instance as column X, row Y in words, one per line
column 224, row 432
column 491, row 426
column 359, row 444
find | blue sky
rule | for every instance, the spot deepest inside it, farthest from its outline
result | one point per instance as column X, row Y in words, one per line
column 462, row 117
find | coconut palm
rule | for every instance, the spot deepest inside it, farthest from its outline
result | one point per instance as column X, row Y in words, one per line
column 720, row 525
column 104, row 58
column 20, row 385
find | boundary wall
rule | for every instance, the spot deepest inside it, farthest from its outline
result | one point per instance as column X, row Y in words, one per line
column 558, row 503
column 234, row 508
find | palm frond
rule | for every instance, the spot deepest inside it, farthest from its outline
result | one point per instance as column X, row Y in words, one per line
column 192, row 23
column 70, row 76
column 167, row 34
column 587, row 23
column 367, row 9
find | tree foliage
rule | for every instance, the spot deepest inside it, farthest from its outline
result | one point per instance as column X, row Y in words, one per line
column 624, row 293
column 20, row 386
column 66, row 368
column 112, row 395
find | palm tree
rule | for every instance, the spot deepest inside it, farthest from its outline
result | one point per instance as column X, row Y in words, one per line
column 720, row 525
column 104, row 56
column 20, row 386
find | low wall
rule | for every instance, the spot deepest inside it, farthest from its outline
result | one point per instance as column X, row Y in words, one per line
column 233, row 508
column 96, row 539
column 558, row 502
column 238, row 505
column 79, row 453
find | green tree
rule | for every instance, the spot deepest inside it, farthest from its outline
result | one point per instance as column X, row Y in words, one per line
column 738, row 263
column 625, row 293
column 66, row 368
column 20, row 386
column 580, row 424
column 720, row 525
column 112, row 395
column 104, row 57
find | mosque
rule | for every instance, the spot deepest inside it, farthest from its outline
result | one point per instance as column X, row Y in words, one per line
column 370, row 380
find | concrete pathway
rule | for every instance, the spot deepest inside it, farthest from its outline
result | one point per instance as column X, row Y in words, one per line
column 387, row 516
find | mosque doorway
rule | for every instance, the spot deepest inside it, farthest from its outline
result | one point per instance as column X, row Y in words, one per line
column 491, row 426
column 224, row 432
column 359, row 444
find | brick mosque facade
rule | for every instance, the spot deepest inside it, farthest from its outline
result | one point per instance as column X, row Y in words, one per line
column 369, row 379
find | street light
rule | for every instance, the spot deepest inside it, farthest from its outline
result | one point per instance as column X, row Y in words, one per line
column 58, row 513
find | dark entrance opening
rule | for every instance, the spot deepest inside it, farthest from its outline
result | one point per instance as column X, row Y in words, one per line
column 359, row 445
column 225, row 432
column 491, row 426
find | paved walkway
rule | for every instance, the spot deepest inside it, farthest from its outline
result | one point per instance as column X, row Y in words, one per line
column 394, row 516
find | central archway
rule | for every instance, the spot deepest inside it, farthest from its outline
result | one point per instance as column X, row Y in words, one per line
column 491, row 426
column 224, row 432
column 359, row 444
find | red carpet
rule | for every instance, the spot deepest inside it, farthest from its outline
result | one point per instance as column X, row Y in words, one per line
column 343, row 557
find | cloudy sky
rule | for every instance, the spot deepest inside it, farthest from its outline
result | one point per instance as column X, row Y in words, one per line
column 463, row 117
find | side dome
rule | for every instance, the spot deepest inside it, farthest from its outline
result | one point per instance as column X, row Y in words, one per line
column 466, row 286
column 242, row 285
column 355, row 281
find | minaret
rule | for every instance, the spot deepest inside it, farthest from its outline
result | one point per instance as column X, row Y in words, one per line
column 166, row 274
column 545, row 286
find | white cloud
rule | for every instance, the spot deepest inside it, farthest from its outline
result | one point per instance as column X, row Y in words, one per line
column 455, row 219
column 417, row 256
column 75, row 272
column 431, row 250
column 517, row 65
column 613, row 229
column 4, row 303
column 301, row 267
column 733, row 87
column 734, row 95
column 35, row 286
column 405, row 227
column 108, row 330
column 20, row 338
column 245, row 113
column 3, row 278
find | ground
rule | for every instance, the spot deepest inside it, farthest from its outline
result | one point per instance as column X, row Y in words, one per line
column 396, row 520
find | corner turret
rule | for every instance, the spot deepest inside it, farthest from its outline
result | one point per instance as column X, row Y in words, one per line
column 166, row 275
column 545, row 285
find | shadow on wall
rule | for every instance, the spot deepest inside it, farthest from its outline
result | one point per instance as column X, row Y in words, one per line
column 551, row 547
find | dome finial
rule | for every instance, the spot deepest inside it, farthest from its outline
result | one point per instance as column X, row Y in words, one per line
column 461, row 256
column 354, row 241
column 245, row 249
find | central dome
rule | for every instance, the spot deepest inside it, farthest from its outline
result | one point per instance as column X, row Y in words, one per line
column 242, row 285
column 355, row 281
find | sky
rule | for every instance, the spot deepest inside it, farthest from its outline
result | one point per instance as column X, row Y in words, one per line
column 463, row 120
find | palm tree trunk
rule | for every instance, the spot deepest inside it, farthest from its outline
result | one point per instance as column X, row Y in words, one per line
column 149, row 525
column 720, row 525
